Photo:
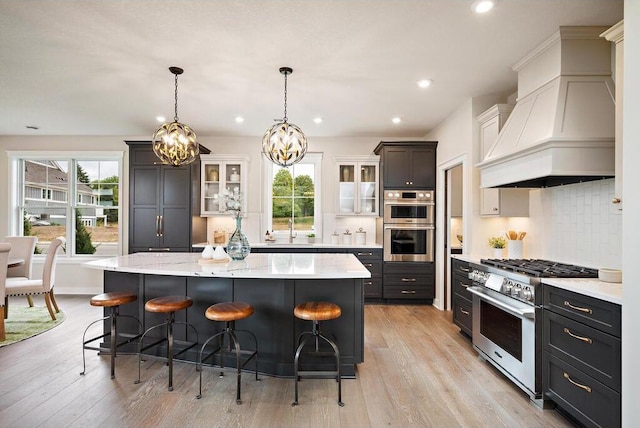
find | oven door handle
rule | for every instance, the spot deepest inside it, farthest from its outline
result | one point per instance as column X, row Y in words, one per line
column 390, row 226
column 521, row 313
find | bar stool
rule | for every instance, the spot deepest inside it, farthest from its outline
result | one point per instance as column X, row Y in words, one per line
column 316, row 312
column 167, row 305
column 229, row 312
column 111, row 302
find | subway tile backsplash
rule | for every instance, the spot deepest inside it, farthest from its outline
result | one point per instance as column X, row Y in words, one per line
column 580, row 225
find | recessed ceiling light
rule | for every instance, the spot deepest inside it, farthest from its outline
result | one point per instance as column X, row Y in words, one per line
column 317, row 120
column 239, row 119
column 425, row 83
column 161, row 119
column 396, row 120
column 483, row 6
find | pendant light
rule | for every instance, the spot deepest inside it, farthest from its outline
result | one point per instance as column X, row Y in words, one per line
column 284, row 143
column 175, row 143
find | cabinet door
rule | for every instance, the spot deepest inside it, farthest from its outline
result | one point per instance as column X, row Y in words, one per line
column 175, row 221
column 489, row 201
column 144, row 214
column 423, row 164
column 396, row 168
column 347, row 188
column 368, row 189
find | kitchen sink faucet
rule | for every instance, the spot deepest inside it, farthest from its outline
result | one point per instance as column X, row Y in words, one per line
column 291, row 234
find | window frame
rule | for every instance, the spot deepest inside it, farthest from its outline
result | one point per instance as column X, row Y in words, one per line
column 309, row 158
column 16, row 192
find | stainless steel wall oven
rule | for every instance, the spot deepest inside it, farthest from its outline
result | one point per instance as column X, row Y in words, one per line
column 409, row 231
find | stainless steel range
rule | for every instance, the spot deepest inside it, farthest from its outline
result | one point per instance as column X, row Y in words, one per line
column 507, row 315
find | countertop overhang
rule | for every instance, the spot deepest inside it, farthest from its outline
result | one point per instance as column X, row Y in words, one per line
column 280, row 265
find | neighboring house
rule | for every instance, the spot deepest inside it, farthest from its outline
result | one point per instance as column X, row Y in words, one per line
column 47, row 186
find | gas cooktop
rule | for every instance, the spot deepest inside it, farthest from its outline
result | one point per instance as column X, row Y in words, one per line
column 542, row 268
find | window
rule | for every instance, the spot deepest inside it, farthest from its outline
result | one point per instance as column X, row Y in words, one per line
column 293, row 196
column 73, row 198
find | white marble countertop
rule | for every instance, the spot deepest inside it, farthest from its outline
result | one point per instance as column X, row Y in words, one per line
column 281, row 265
column 296, row 245
column 607, row 291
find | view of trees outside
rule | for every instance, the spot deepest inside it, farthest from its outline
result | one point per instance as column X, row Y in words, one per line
column 293, row 198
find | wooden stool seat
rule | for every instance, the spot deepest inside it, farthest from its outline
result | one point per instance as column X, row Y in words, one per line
column 317, row 311
column 168, row 304
column 115, row 298
column 229, row 311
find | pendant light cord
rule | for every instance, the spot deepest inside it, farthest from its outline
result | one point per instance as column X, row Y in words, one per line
column 284, row 119
column 175, row 107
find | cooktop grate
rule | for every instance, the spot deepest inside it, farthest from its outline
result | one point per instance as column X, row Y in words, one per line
column 542, row 268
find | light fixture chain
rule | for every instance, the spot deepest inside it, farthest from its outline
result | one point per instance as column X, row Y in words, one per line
column 284, row 119
column 175, row 116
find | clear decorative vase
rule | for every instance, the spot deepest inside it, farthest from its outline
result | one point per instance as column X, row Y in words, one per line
column 238, row 247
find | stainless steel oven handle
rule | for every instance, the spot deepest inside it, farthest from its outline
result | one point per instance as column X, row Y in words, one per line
column 390, row 226
column 522, row 313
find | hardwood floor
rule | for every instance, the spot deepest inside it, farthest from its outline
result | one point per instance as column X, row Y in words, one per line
column 418, row 371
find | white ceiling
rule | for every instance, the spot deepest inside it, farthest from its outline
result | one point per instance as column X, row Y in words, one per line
column 101, row 67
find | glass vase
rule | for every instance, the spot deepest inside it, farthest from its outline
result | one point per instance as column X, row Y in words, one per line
column 238, row 247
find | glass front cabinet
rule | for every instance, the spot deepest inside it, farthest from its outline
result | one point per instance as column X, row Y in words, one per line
column 357, row 189
column 219, row 172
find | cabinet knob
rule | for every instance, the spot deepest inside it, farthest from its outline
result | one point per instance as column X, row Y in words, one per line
column 495, row 209
column 406, row 182
column 616, row 200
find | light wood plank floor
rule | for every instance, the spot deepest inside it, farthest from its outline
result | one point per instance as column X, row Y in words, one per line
column 418, row 371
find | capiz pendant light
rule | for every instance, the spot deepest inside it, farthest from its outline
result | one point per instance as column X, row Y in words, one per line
column 284, row 143
column 175, row 143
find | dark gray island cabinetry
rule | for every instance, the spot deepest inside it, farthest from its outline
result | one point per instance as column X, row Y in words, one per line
column 273, row 283
column 582, row 356
column 462, row 299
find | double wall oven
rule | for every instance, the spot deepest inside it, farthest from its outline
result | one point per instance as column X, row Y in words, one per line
column 507, row 315
column 408, row 230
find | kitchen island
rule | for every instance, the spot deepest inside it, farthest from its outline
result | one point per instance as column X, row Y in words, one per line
column 273, row 283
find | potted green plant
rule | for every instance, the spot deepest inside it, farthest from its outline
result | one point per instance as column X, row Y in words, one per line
column 311, row 237
column 498, row 244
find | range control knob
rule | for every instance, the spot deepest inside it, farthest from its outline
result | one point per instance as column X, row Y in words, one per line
column 527, row 294
column 508, row 286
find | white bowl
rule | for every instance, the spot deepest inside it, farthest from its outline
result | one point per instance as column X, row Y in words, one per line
column 610, row 275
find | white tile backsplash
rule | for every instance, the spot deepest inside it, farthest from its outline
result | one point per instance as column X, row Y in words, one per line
column 579, row 224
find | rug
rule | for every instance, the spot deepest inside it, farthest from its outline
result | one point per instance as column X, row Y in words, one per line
column 25, row 322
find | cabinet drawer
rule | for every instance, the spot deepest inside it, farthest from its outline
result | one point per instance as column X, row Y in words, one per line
column 605, row 316
column 459, row 285
column 408, row 268
column 408, row 292
column 372, row 287
column 596, row 353
column 409, row 280
column 374, row 267
column 368, row 254
column 462, row 315
column 584, row 398
column 459, row 267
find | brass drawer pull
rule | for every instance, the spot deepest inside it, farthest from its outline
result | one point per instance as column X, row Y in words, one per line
column 578, row 308
column 465, row 269
column 464, row 285
column 408, row 291
column 368, row 264
column 408, row 280
column 368, row 283
column 579, row 385
column 365, row 254
column 464, row 312
column 584, row 339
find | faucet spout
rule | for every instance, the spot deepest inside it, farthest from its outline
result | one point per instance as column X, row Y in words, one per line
column 291, row 234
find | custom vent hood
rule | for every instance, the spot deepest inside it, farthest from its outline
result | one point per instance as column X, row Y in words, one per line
column 562, row 127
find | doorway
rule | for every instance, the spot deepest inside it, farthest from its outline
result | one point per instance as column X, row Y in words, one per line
column 453, row 236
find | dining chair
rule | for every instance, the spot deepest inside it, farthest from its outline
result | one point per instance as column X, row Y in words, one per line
column 4, row 259
column 22, row 247
column 21, row 287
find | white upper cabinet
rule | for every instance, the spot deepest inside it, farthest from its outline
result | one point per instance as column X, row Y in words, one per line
column 499, row 202
column 219, row 172
column 357, row 188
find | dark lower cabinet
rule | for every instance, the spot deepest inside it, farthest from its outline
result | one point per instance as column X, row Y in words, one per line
column 414, row 282
column 462, row 299
column 582, row 357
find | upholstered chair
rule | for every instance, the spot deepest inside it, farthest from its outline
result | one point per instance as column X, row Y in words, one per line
column 22, row 247
column 4, row 259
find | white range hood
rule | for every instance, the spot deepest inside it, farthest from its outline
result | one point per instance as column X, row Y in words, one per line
column 562, row 127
